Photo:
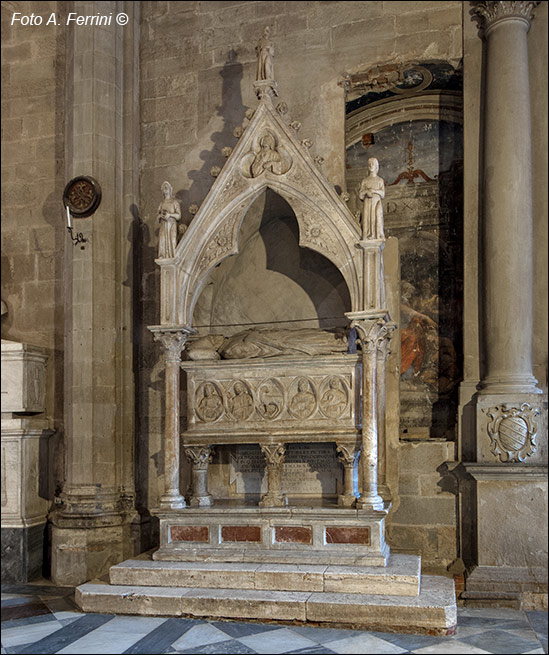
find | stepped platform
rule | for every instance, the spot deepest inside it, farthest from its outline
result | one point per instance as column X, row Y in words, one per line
column 394, row 598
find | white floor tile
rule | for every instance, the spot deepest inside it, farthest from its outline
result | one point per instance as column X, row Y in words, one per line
column 281, row 640
column 453, row 646
column 364, row 643
column 200, row 635
column 115, row 636
column 29, row 633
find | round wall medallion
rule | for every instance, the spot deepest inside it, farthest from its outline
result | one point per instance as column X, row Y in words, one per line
column 82, row 196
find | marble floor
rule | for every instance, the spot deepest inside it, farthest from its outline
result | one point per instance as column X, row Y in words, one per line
column 40, row 618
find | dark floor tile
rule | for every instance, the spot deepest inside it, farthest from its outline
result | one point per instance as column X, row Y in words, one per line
column 61, row 604
column 66, row 635
column 230, row 647
column 235, row 629
column 19, row 623
column 543, row 642
column 538, row 620
column 314, row 650
column 410, row 642
column 23, row 611
column 162, row 637
column 500, row 642
column 36, row 590
column 323, row 635
column 10, row 602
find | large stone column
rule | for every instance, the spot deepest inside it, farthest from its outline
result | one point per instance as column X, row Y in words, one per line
column 509, row 452
column 506, row 232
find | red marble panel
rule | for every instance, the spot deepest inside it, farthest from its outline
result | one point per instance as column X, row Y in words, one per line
column 347, row 535
column 190, row 533
column 241, row 533
column 293, row 534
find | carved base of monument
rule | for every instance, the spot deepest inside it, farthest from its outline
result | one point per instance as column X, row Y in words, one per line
column 201, row 501
column 273, row 500
column 346, row 501
column 174, row 501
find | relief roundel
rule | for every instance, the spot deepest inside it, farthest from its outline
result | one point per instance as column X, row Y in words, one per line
column 302, row 395
column 208, row 402
column 271, row 399
column 240, row 401
column 334, row 397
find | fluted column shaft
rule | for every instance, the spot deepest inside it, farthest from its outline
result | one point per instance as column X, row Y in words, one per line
column 507, row 316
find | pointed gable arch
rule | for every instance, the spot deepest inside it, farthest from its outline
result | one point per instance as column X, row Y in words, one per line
column 268, row 155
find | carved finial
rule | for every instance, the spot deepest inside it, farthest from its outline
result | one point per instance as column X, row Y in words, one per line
column 226, row 151
column 265, row 85
column 490, row 12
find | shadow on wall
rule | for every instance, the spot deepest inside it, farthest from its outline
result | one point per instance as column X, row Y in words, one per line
column 231, row 111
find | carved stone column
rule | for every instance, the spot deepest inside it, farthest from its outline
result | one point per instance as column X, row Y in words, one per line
column 200, row 457
column 371, row 332
column 347, row 455
column 506, row 236
column 274, row 456
column 507, row 499
column 383, row 352
column 173, row 340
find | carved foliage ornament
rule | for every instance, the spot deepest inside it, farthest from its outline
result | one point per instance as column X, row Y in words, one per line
column 374, row 335
column 488, row 13
column 173, row 343
column 513, row 431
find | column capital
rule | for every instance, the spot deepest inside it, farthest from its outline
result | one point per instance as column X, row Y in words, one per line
column 173, row 339
column 274, row 453
column 199, row 456
column 490, row 12
column 374, row 334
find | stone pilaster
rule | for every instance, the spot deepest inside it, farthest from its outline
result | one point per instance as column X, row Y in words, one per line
column 200, row 457
column 173, row 340
column 95, row 520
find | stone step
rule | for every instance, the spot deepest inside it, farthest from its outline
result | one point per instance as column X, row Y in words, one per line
column 401, row 576
column 433, row 611
column 288, row 555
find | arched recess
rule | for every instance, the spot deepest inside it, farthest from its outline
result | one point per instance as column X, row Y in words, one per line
column 272, row 281
column 325, row 224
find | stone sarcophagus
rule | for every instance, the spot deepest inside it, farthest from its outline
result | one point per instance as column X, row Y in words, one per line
column 287, row 399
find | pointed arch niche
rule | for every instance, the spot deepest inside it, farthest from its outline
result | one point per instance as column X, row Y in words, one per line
column 272, row 281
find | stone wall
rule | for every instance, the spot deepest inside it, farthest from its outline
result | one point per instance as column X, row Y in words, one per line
column 425, row 519
column 33, row 223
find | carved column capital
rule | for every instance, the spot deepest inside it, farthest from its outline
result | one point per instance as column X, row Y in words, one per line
column 274, row 454
column 199, row 456
column 374, row 335
column 488, row 13
column 173, row 341
column 347, row 454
